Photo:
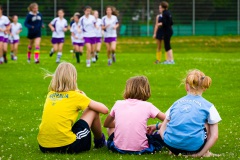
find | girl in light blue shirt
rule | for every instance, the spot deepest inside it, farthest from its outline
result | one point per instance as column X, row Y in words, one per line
column 191, row 124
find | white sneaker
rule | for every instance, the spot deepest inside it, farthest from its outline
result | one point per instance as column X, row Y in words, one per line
column 15, row 58
column 93, row 59
column 58, row 60
column 88, row 65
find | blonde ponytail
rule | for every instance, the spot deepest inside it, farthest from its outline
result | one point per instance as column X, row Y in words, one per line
column 197, row 81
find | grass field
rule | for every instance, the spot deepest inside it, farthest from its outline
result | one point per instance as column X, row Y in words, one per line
column 23, row 90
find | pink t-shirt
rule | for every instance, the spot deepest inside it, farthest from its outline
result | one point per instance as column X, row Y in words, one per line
column 131, row 117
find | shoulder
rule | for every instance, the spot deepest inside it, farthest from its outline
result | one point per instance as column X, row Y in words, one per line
column 104, row 17
column 206, row 102
column 114, row 17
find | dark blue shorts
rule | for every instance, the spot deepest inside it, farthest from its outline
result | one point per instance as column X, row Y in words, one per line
column 155, row 144
column 159, row 35
column 33, row 35
column 82, row 143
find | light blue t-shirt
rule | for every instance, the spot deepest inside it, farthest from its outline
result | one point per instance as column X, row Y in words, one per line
column 187, row 116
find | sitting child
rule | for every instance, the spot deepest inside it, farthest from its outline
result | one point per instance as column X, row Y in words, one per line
column 59, row 131
column 191, row 124
column 127, row 121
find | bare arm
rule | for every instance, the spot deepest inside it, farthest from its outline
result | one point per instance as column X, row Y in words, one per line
column 109, row 122
column 156, row 27
column 213, row 129
column 163, row 127
column 98, row 107
column 116, row 26
column 51, row 27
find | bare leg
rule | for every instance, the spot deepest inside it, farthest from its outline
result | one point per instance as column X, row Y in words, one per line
column 170, row 55
column 93, row 120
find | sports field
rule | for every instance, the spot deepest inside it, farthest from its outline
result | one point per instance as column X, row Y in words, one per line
column 23, row 90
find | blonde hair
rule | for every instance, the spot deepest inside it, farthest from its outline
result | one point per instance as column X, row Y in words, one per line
column 197, row 81
column 31, row 6
column 64, row 78
column 137, row 88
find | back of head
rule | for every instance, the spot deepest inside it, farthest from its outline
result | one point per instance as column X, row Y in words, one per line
column 64, row 79
column 198, row 81
column 137, row 88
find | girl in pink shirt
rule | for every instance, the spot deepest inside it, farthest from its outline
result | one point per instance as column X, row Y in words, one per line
column 127, row 121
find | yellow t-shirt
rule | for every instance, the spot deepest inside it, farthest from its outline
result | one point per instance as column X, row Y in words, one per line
column 59, row 114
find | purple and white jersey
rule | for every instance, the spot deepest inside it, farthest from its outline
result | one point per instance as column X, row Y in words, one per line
column 109, row 31
column 99, row 28
column 59, row 25
column 88, row 26
column 15, row 28
column 77, row 32
column 4, row 21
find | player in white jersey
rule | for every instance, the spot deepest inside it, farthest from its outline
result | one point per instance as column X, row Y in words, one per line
column 110, row 25
column 77, row 37
column 4, row 28
column 99, row 33
column 88, row 25
column 16, row 29
column 58, row 26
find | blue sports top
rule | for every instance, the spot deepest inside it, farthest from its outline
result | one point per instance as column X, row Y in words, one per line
column 33, row 22
column 187, row 117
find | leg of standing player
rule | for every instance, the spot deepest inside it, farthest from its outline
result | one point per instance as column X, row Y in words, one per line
column 113, row 50
column 1, row 52
column 108, row 46
column 15, row 47
column 59, row 55
column 93, row 49
column 12, row 50
column 88, row 61
column 77, row 52
column 30, row 46
column 5, row 48
column 98, row 48
column 159, row 51
column 37, row 49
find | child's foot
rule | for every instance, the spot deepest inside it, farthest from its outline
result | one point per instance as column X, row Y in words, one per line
column 15, row 58
column 58, row 60
column 5, row 58
column 96, row 56
column 99, row 143
column 51, row 53
column 109, row 62
column 37, row 61
column 28, row 60
column 114, row 57
column 12, row 57
column 94, row 60
column 157, row 62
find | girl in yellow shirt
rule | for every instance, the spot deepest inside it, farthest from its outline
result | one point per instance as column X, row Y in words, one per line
column 59, row 131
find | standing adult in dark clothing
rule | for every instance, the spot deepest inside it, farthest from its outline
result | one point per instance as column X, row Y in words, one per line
column 167, row 30
column 34, row 23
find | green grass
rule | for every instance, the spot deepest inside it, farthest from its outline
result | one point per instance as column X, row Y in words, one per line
column 23, row 90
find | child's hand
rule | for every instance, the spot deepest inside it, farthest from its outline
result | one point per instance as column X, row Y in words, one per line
column 65, row 29
column 52, row 29
column 151, row 129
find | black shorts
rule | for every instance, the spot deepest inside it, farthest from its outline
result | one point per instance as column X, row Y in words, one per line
column 155, row 144
column 184, row 152
column 82, row 143
column 33, row 35
column 159, row 35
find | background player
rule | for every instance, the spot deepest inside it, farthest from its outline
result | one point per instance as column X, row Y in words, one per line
column 34, row 23
column 58, row 27
column 99, row 33
column 110, row 25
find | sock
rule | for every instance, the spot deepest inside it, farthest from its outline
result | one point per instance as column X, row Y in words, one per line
column 159, row 56
column 11, row 53
column 5, row 57
column 110, row 60
column 166, row 56
column 29, row 52
column 88, row 61
column 59, row 55
column 52, row 51
column 36, row 53
column 99, row 142
column 78, row 57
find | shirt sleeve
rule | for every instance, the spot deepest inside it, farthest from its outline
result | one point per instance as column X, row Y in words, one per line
column 83, row 101
column 153, row 111
column 53, row 21
column 116, row 20
column 71, row 29
column 7, row 22
column 168, row 114
column 26, row 22
column 66, row 24
column 214, row 116
column 112, row 112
